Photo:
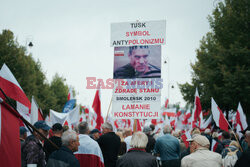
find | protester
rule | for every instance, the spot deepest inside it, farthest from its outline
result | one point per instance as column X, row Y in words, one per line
column 123, row 148
column 89, row 153
column 219, row 147
column 109, row 143
column 200, row 154
column 226, row 139
column 57, row 131
column 127, row 135
column 151, row 141
column 244, row 160
column 169, row 148
column 137, row 155
column 32, row 150
column 64, row 157
column 231, row 154
column 65, row 128
column 139, row 67
column 23, row 135
column 95, row 134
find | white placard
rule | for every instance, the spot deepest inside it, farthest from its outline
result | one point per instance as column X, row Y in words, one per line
column 138, row 33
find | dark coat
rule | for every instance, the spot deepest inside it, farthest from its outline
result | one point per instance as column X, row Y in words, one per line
column 151, row 144
column 110, row 146
column 244, row 160
column 136, row 158
column 49, row 148
column 63, row 157
column 32, row 152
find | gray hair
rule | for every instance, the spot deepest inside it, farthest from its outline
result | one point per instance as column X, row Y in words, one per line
column 107, row 126
column 247, row 133
column 167, row 129
column 83, row 128
column 67, row 136
column 139, row 140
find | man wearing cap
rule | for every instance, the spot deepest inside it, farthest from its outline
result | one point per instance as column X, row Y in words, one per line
column 95, row 134
column 23, row 136
column 32, row 150
column 201, row 155
column 57, row 130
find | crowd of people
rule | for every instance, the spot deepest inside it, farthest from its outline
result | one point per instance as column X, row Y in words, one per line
column 88, row 147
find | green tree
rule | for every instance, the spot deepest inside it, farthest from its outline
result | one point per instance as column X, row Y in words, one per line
column 30, row 76
column 222, row 67
column 60, row 90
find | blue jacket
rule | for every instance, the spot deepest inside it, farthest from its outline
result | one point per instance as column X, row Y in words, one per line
column 168, row 147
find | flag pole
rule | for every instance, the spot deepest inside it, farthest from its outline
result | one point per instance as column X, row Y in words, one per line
column 14, row 111
column 108, row 109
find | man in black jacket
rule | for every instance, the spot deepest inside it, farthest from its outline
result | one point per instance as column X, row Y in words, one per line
column 109, row 143
column 137, row 155
column 244, row 160
column 64, row 157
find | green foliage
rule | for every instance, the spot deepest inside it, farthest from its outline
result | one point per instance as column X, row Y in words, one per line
column 29, row 74
column 222, row 67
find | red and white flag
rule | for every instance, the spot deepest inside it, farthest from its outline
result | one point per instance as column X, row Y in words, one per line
column 214, row 145
column 185, row 137
column 207, row 123
column 70, row 94
column 10, row 152
column 11, row 87
column 36, row 114
column 241, row 118
column 197, row 115
column 171, row 112
column 186, row 117
column 89, row 153
column 218, row 116
column 97, row 108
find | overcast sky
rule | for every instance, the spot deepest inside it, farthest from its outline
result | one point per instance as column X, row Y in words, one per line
column 72, row 37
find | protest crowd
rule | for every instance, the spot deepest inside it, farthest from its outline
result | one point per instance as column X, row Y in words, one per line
column 71, row 140
column 125, row 148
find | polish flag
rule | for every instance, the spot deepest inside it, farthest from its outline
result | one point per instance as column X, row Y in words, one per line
column 214, row 145
column 207, row 123
column 36, row 114
column 186, row 117
column 241, row 118
column 218, row 117
column 197, row 110
column 10, row 152
column 97, row 108
column 185, row 137
column 171, row 112
column 89, row 153
column 11, row 87
column 70, row 94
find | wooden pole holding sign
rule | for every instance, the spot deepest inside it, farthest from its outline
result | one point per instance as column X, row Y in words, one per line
column 108, row 109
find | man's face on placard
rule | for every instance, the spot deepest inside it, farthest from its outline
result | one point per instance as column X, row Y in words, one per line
column 139, row 59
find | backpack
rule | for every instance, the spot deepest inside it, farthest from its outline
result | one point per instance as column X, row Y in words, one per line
column 230, row 159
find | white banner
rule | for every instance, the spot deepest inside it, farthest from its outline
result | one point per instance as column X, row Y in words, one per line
column 138, row 33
